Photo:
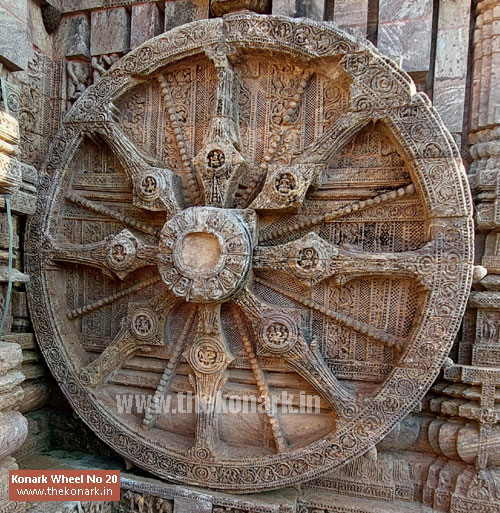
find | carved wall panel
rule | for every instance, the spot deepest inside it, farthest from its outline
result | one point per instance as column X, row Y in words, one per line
column 249, row 206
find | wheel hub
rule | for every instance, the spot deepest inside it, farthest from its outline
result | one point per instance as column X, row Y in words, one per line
column 205, row 254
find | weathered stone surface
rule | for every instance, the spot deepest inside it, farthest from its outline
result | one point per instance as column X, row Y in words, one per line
column 37, row 31
column 222, row 7
column 13, row 432
column 87, row 5
column 72, row 38
column 18, row 8
column 36, row 396
column 450, row 71
column 147, row 22
column 12, row 356
column 352, row 14
column 38, row 439
column 110, row 31
column 184, row 11
column 343, row 257
column 296, row 8
column 13, row 49
column 405, row 30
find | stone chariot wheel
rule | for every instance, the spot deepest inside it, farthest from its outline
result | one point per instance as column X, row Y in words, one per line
column 249, row 208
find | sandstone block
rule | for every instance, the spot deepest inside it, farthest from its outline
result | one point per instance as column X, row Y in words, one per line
column 110, row 31
column 10, row 356
column 184, row 11
column 146, row 23
column 352, row 15
column 405, row 30
column 72, row 38
column 14, row 48
column 18, row 8
column 36, row 396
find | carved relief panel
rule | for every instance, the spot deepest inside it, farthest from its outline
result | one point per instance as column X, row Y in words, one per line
column 249, row 208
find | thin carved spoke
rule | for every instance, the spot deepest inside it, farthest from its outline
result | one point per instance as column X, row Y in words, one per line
column 208, row 356
column 169, row 373
column 278, row 332
column 96, row 305
column 141, row 329
column 118, row 254
column 272, row 234
column 189, row 174
column 347, row 321
column 288, row 126
column 260, row 378
column 155, row 188
column 311, row 260
column 78, row 199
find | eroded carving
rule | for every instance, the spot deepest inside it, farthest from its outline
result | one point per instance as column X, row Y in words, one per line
column 249, row 226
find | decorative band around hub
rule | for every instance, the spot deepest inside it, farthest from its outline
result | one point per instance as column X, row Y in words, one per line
column 205, row 254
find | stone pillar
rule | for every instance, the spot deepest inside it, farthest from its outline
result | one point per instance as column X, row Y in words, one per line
column 468, row 426
column 13, row 426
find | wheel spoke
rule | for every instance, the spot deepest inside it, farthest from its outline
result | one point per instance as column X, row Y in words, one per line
column 142, row 328
column 118, row 254
column 286, row 186
column 191, row 182
column 102, row 209
column 219, row 164
column 359, row 326
column 260, row 378
column 96, row 305
column 168, row 374
column 311, row 260
column 278, row 332
column 356, row 206
column 155, row 188
column 208, row 356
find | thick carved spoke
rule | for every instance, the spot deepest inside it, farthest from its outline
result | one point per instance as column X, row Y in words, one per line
column 260, row 378
column 142, row 328
column 279, row 334
column 359, row 326
column 154, row 188
column 208, row 357
column 168, row 374
column 286, row 185
column 311, row 259
column 119, row 254
column 219, row 163
column 355, row 206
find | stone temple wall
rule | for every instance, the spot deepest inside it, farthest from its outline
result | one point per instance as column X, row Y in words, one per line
column 445, row 456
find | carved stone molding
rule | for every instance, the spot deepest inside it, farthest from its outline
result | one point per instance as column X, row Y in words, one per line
column 227, row 223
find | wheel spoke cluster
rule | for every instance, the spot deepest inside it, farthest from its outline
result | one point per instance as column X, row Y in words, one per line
column 209, row 253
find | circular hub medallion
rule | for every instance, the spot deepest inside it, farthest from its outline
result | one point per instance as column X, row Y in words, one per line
column 205, row 254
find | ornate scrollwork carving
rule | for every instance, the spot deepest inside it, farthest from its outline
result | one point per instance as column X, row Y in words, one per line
column 280, row 225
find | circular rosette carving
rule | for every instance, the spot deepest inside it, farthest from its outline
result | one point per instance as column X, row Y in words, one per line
column 207, row 356
column 271, row 234
column 144, row 324
column 278, row 334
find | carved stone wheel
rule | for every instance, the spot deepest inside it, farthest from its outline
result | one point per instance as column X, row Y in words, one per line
column 242, row 207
